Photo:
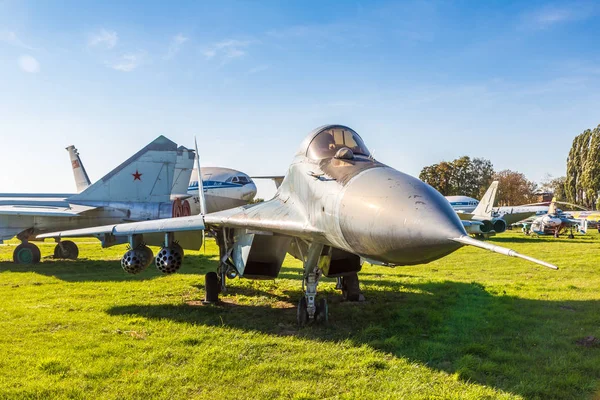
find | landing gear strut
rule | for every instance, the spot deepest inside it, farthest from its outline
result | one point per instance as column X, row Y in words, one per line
column 66, row 250
column 308, row 308
column 27, row 253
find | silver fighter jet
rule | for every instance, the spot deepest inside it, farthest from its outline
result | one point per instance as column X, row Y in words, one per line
column 336, row 207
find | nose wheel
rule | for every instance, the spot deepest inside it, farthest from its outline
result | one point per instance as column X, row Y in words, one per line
column 321, row 312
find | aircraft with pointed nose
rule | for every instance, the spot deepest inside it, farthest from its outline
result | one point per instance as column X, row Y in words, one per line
column 336, row 208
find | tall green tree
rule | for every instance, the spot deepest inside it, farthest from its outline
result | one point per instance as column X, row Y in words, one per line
column 556, row 186
column 466, row 176
column 583, row 168
column 514, row 189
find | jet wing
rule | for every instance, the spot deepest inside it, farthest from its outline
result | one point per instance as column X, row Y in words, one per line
column 180, row 224
column 44, row 211
column 273, row 216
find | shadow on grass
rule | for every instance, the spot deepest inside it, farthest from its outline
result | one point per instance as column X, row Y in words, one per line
column 527, row 347
column 541, row 239
column 84, row 270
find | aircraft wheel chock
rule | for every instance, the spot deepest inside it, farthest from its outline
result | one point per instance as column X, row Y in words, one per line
column 211, row 287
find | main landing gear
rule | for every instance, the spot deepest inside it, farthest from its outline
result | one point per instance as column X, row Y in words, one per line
column 350, row 288
column 66, row 250
column 27, row 253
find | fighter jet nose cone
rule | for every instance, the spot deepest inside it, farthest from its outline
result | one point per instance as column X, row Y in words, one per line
column 392, row 217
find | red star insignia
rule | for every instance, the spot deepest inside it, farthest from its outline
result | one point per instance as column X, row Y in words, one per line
column 137, row 176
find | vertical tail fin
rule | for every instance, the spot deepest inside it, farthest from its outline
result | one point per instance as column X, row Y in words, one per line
column 486, row 204
column 147, row 176
column 184, row 168
column 82, row 181
column 552, row 208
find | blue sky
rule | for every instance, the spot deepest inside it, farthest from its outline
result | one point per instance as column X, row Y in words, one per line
column 421, row 82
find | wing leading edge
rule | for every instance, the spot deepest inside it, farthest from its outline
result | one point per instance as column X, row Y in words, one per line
column 273, row 216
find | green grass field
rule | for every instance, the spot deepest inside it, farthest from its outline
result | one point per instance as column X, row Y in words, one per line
column 470, row 326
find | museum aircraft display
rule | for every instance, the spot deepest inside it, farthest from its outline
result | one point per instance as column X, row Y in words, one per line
column 25, row 215
column 151, row 184
column 485, row 220
column 336, row 207
column 554, row 222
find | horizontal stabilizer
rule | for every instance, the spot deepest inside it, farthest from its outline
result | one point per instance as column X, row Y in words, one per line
column 278, row 179
column 467, row 240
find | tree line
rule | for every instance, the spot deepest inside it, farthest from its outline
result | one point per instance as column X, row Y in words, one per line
column 471, row 177
column 582, row 183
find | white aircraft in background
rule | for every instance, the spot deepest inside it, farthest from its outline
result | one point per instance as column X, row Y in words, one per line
column 151, row 184
column 26, row 215
column 462, row 203
column 485, row 220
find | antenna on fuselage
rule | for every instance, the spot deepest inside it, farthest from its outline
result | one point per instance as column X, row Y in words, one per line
column 200, row 190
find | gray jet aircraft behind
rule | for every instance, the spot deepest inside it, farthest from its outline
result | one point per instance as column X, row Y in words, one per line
column 336, row 207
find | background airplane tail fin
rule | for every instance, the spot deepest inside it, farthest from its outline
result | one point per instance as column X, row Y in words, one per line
column 147, row 176
column 82, row 181
column 486, row 204
column 552, row 208
column 583, row 226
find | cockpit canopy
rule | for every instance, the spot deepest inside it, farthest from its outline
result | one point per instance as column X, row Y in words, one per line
column 333, row 138
column 240, row 179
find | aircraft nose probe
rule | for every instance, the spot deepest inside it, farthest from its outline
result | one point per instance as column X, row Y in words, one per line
column 467, row 240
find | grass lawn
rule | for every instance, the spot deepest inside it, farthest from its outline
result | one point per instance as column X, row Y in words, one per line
column 470, row 326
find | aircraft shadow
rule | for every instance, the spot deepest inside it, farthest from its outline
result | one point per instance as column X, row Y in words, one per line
column 513, row 344
column 84, row 270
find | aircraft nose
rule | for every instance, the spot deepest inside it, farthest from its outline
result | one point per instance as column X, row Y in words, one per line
column 249, row 191
column 391, row 217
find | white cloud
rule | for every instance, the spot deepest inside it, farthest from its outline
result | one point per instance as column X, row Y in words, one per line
column 257, row 69
column 104, row 38
column 11, row 38
column 176, row 43
column 228, row 49
column 552, row 15
column 29, row 64
column 128, row 62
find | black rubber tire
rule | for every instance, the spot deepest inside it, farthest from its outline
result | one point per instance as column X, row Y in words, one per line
column 322, row 314
column 211, row 287
column 302, row 312
column 68, row 251
column 350, row 287
column 27, row 253
column 178, row 247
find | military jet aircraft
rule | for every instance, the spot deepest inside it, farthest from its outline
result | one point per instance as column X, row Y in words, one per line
column 485, row 220
column 224, row 188
column 151, row 184
column 336, row 208
column 555, row 222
